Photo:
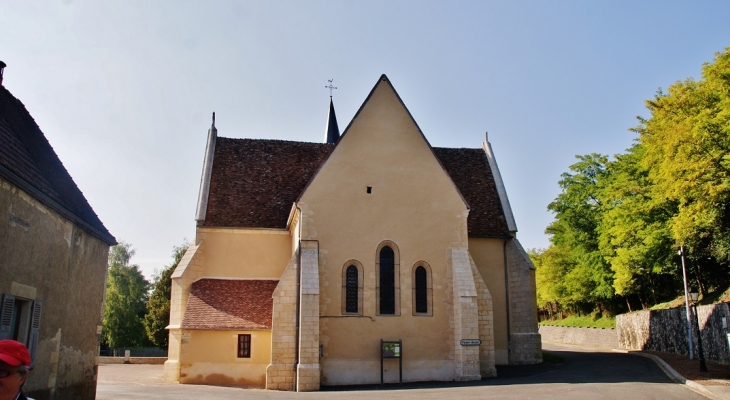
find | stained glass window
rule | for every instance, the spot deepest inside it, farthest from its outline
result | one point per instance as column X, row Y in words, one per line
column 351, row 289
column 387, row 281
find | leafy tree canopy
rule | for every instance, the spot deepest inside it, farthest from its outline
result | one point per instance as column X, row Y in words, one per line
column 126, row 298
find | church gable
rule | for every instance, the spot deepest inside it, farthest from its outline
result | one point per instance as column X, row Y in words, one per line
column 383, row 153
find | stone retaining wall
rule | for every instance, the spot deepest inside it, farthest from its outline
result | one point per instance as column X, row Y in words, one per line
column 666, row 331
column 132, row 360
column 592, row 337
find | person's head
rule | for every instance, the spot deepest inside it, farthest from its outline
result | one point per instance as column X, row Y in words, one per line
column 14, row 367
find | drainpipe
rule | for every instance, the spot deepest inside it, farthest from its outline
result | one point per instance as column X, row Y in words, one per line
column 506, row 294
column 298, row 297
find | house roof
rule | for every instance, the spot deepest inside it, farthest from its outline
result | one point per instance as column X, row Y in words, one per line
column 225, row 304
column 28, row 161
column 255, row 182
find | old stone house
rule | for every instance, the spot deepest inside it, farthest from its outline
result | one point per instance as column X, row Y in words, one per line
column 53, row 260
column 370, row 257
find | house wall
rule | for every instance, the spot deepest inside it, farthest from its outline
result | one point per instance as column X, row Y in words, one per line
column 47, row 258
column 414, row 205
column 488, row 255
column 229, row 254
column 211, row 358
column 245, row 253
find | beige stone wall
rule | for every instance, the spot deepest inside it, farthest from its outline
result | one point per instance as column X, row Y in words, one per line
column 47, row 258
column 414, row 205
column 188, row 270
column 280, row 374
column 486, row 324
column 526, row 347
column 488, row 255
column 228, row 254
column 245, row 253
column 211, row 358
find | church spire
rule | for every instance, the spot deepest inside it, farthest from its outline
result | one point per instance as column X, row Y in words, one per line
column 332, row 131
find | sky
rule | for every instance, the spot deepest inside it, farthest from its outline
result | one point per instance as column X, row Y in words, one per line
column 124, row 90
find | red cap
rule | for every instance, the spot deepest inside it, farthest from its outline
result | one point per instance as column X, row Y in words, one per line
column 14, row 353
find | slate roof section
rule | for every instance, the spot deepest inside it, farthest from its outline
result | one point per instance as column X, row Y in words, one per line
column 28, row 161
column 469, row 169
column 255, row 182
column 226, row 304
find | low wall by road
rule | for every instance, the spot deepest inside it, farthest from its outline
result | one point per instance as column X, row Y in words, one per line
column 666, row 331
column 591, row 337
column 132, row 360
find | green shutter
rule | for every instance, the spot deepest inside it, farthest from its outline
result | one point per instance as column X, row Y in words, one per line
column 35, row 326
column 6, row 316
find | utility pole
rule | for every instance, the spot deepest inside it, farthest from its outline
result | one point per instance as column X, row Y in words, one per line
column 686, row 304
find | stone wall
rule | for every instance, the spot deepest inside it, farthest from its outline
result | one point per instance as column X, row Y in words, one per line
column 666, row 331
column 591, row 337
column 47, row 260
column 525, row 344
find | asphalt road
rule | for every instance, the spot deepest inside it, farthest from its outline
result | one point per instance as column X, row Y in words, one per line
column 583, row 375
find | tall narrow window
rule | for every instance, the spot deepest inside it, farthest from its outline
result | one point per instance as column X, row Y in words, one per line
column 351, row 295
column 387, row 281
column 244, row 346
column 421, row 290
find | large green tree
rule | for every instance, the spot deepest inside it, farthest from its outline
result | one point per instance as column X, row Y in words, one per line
column 687, row 141
column 126, row 299
column 158, row 307
column 634, row 235
column 587, row 280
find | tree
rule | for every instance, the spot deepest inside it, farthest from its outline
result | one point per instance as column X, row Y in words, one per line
column 574, row 235
column 126, row 296
column 634, row 234
column 687, row 141
column 158, row 307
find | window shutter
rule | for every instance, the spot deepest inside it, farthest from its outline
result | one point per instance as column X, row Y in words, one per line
column 35, row 326
column 6, row 316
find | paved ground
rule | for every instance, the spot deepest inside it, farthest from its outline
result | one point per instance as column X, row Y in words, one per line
column 584, row 375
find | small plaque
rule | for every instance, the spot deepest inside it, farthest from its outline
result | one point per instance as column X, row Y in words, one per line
column 186, row 335
column 470, row 342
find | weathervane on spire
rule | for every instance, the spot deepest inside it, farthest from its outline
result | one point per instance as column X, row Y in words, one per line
column 330, row 87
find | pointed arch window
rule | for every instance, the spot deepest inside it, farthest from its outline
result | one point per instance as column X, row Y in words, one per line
column 388, row 279
column 352, row 288
column 422, row 289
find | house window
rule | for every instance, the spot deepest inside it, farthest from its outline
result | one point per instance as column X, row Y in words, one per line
column 388, row 279
column 20, row 320
column 422, row 289
column 244, row 346
column 421, row 296
column 352, row 288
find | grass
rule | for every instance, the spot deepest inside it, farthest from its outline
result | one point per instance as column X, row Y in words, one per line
column 552, row 358
column 586, row 321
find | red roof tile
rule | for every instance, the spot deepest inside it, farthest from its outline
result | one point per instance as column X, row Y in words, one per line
column 255, row 182
column 469, row 169
column 225, row 304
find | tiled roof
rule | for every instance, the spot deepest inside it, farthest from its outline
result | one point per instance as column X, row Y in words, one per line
column 469, row 169
column 28, row 161
column 255, row 182
column 225, row 304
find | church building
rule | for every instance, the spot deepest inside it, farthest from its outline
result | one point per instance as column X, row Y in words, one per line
column 372, row 257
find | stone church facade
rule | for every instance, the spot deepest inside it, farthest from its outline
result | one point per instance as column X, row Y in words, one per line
column 308, row 256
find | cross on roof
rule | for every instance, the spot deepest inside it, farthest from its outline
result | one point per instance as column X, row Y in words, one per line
column 330, row 87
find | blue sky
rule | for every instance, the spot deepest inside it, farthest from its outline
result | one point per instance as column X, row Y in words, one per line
column 124, row 90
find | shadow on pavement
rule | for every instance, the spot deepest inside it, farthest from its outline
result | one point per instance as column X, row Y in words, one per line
column 579, row 367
